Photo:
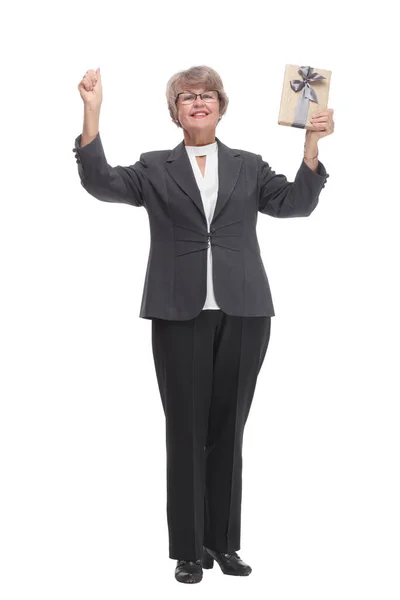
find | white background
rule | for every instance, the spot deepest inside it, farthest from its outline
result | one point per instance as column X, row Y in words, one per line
column 82, row 438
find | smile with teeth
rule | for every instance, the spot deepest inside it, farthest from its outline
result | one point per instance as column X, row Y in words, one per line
column 199, row 115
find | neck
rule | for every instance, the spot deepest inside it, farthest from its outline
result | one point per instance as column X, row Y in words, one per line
column 199, row 138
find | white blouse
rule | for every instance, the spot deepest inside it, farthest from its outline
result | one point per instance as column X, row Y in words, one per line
column 208, row 186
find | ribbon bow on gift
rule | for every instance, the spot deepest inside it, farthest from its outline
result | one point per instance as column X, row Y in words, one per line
column 300, row 117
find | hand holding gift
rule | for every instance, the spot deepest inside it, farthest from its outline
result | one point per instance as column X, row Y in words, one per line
column 322, row 123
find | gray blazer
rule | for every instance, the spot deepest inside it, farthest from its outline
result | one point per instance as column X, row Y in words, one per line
column 164, row 183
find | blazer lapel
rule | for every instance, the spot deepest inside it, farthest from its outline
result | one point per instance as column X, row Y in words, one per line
column 229, row 165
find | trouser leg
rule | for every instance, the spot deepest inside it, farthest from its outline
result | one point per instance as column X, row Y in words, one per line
column 240, row 347
column 183, row 357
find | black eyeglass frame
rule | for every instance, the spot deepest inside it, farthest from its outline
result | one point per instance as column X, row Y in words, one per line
column 177, row 98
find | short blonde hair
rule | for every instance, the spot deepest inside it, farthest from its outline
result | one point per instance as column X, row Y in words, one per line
column 193, row 77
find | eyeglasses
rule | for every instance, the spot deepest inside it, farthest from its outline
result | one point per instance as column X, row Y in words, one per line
column 188, row 98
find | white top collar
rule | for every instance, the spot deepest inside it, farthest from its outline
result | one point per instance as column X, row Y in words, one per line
column 201, row 150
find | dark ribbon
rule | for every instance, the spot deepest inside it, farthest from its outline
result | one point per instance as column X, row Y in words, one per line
column 300, row 117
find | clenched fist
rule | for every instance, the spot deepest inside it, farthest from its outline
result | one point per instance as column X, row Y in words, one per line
column 90, row 89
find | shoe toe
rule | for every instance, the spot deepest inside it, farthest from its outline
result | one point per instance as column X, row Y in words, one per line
column 188, row 578
column 188, row 572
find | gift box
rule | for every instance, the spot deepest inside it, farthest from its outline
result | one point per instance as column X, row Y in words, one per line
column 305, row 92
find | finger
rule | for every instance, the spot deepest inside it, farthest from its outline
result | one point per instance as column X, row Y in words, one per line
column 89, row 81
column 91, row 77
column 322, row 113
column 319, row 121
column 319, row 126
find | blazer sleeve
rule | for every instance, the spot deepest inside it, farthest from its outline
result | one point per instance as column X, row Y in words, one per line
column 107, row 183
column 282, row 198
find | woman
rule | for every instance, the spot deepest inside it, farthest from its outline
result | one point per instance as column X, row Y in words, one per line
column 207, row 294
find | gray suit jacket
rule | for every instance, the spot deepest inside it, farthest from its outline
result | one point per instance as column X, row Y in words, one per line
column 163, row 182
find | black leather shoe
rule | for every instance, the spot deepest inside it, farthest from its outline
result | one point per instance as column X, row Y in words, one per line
column 188, row 571
column 230, row 563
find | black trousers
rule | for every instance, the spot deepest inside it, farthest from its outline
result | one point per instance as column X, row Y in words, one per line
column 206, row 369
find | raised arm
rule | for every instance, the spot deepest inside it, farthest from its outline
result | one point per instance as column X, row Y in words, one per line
column 282, row 198
column 101, row 180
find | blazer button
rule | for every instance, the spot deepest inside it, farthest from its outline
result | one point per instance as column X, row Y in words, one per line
column 212, row 229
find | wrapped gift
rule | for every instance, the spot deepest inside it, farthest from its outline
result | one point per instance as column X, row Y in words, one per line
column 305, row 92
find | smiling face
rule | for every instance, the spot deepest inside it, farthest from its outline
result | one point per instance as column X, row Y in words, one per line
column 201, row 127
